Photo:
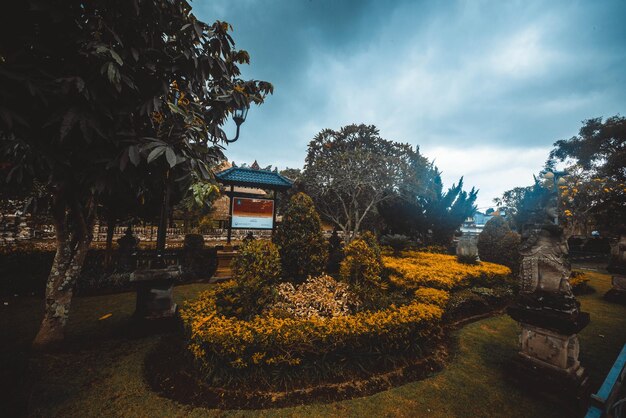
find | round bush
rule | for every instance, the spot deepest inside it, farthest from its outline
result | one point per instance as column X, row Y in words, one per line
column 193, row 242
column 498, row 244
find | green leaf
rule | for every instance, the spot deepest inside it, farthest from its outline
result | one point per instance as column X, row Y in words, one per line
column 156, row 153
column 170, row 155
column 133, row 155
column 113, row 73
column 116, row 57
column 69, row 120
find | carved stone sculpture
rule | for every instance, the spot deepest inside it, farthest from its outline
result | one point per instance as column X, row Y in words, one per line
column 548, row 312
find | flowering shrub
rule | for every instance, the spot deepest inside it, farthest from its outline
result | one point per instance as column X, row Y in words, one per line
column 361, row 266
column 434, row 249
column 440, row 271
column 256, row 268
column 433, row 296
column 370, row 239
column 321, row 296
column 217, row 342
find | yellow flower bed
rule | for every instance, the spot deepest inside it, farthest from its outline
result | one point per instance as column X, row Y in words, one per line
column 268, row 341
column 417, row 269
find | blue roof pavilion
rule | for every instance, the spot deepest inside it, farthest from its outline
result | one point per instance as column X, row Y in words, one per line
column 252, row 177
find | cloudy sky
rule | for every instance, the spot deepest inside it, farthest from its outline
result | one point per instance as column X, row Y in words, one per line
column 482, row 87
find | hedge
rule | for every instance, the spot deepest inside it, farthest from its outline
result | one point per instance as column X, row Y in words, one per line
column 266, row 342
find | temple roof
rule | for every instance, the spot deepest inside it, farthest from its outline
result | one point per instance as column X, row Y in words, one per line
column 251, row 177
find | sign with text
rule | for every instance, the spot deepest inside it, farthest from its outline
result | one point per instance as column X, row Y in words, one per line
column 252, row 213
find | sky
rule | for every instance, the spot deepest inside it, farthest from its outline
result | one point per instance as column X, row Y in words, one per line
column 483, row 88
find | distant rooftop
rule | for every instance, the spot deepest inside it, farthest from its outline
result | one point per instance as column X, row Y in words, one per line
column 253, row 177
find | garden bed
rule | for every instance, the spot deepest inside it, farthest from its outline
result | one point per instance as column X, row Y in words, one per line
column 271, row 360
column 170, row 375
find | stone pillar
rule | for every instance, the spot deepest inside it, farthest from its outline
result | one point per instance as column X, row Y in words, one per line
column 549, row 316
column 155, row 289
column 617, row 267
column 467, row 248
column 224, row 260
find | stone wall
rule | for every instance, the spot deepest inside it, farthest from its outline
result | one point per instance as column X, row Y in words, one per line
column 14, row 227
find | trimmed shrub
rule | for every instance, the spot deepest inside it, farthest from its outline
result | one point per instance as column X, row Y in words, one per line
column 193, row 242
column 433, row 249
column 370, row 239
column 498, row 244
column 433, row 296
column 440, row 271
column 267, row 348
column 397, row 242
column 361, row 266
column 303, row 249
column 256, row 270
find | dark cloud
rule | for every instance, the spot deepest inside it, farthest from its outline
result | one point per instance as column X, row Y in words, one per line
column 495, row 78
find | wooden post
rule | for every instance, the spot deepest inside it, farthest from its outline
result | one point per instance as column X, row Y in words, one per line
column 274, row 214
column 230, row 215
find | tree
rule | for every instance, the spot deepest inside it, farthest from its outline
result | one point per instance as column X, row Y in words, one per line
column 295, row 175
column 446, row 212
column 595, row 191
column 526, row 205
column 349, row 172
column 429, row 213
column 94, row 88
column 303, row 248
column 198, row 201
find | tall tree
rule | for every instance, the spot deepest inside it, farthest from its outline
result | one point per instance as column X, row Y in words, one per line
column 427, row 212
column 596, row 188
column 92, row 88
column 349, row 172
column 525, row 205
column 447, row 211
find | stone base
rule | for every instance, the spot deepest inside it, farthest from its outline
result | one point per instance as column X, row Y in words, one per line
column 616, row 296
column 569, row 389
column 224, row 265
column 550, row 349
column 155, row 288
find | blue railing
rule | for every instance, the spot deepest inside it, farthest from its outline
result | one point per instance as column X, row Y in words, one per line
column 604, row 402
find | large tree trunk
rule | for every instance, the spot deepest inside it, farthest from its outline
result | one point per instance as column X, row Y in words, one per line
column 66, row 269
column 73, row 227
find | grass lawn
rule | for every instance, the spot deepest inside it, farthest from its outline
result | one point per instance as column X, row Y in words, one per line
column 100, row 372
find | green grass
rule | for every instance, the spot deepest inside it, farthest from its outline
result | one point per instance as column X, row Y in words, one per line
column 100, row 372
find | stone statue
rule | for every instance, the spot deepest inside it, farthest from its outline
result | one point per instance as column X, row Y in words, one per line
column 546, row 308
column 127, row 247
